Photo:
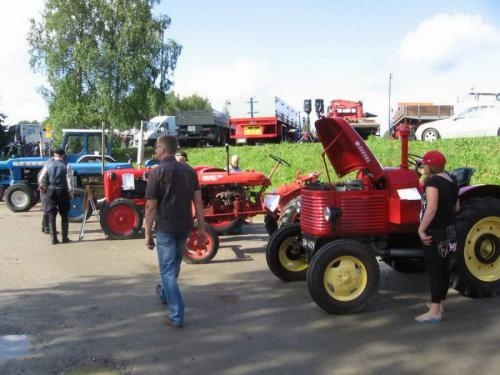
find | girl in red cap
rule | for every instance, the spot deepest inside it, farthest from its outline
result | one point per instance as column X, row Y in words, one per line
column 436, row 230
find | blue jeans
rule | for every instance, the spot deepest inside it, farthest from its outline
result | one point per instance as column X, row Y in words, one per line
column 170, row 247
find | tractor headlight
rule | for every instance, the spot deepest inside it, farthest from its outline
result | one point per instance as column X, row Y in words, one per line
column 332, row 214
column 328, row 213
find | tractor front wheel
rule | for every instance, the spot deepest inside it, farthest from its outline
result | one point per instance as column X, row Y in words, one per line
column 20, row 197
column 285, row 255
column 342, row 277
column 121, row 219
column 476, row 264
column 201, row 253
column 76, row 205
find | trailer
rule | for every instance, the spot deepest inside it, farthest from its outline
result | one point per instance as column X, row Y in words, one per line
column 415, row 114
column 282, row 123
column 197, row 128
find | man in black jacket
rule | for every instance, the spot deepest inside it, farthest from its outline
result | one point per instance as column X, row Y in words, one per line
column 55, row 180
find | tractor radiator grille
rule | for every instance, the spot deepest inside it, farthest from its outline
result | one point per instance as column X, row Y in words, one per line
column 363, row 214
column 312, row 212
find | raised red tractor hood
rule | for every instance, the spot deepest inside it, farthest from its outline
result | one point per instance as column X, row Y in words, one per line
column 345, row 148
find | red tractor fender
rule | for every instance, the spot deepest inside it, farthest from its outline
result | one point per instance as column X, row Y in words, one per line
column 468, row 192
column 207, row 168
column 291, row 190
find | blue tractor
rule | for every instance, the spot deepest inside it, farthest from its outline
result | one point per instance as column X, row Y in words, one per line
column 18, row 176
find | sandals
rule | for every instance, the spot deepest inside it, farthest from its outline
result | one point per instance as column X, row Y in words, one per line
column 424, row 318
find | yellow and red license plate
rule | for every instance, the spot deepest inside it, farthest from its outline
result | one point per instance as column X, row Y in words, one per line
column 252, row 130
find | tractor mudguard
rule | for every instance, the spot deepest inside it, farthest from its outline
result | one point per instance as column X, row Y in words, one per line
column 468, row 192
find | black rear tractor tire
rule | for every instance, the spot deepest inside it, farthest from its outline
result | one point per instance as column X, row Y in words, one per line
column 476, row 264
column 291, row 213
column 343, row 276
column 430, row 134
column 20, row 197
column 285, row 255
column 406, row 265
column 195, row 254
column 121, row 219
column 270, row 223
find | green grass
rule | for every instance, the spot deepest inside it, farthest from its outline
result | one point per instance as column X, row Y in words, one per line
column 483, row 154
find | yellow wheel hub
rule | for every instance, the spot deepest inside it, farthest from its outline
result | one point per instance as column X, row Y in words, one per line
column 345, row 278
column 481, row 250
column 289, row 258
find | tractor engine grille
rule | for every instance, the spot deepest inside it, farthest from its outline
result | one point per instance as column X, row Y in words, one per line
column 363, row 212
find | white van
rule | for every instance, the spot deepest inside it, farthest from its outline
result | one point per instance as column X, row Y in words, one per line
column 155, row 128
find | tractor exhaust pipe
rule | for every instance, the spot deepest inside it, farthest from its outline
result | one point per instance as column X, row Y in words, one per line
column 227, row 158
column 404, row 133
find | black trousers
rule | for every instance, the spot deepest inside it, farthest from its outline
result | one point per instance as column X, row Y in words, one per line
column 57, row 200
column 438, row 269
column 45, row 218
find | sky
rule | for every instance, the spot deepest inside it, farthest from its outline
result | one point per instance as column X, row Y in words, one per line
column 232, row 50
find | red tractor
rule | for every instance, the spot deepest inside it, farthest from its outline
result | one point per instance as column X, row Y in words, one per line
column 228, row 199
column 345, row 226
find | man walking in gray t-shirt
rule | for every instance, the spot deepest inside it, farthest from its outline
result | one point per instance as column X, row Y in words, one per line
column 172, row 189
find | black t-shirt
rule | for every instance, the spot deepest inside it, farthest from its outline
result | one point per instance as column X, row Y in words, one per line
column 173, row 185
column 447, row 199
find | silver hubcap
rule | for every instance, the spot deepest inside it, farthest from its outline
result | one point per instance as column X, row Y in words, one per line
column 430, row 135
column 19, row 198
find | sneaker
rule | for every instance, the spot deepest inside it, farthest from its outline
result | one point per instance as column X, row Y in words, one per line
column 158, row 293
column 169, row 323
column 66, row 240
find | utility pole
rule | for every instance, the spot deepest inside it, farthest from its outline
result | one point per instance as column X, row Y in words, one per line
column 389, row 118
column 252, row 112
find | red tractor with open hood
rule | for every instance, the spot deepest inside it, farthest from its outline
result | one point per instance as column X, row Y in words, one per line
column 345, row 226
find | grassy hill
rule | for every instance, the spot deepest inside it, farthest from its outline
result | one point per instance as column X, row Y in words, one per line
column 483, row 154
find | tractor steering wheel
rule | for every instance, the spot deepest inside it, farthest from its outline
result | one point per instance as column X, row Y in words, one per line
column 280, row 160
column 415, row 160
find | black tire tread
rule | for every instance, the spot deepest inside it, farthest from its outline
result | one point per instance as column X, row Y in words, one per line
column 463, row 281
column 289, row 212
column 272, row 254
column 27, row 189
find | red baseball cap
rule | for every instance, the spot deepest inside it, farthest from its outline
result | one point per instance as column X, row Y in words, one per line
column 434, row 158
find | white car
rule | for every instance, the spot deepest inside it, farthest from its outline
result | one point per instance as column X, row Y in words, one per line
column 477, row 121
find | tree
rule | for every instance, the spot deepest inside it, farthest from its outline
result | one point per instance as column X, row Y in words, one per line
column 175, row 104
column 104, row 60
